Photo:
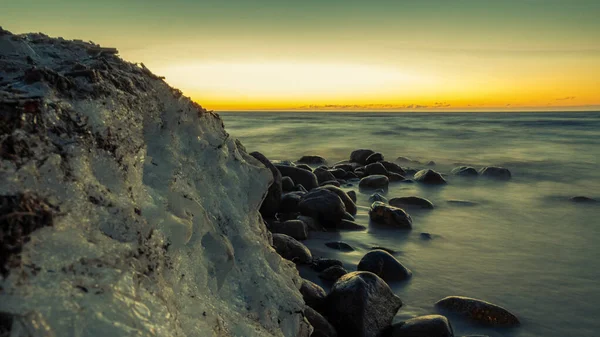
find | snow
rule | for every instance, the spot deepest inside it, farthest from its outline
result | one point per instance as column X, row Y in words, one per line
column 158, row 232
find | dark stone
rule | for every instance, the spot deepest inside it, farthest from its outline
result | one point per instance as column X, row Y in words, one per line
column 350, row 175
column 360, row 156
column 374, row 182
column 464, row 171
column 299, row 176
column 312, row 160
column 462, row 203
column 330, row 183
column 294, row 228
column 339, row 245
column 345, row 167
column 411, row 171
column 478, row 310
column 283, row 217
column 423, row 326
column 376, row 168
column 351, row 226
column 271, row 203
column 304, row 167
column 390, row 215
column 311, row 224
column 385, row 249
column 322, row 327
column 395, row 177
column 289, row 203
column 348, row 217
column 377, row 197
column 494, row 172
column 361, row 304
column 352, row 195
column 582, row 199
column 291, row 249
column 313, row 295
column 321, row 264
column 384, row 265
column 323, row 175
column 324, row 206
column 430, row 163
column 393, row 167
column 374, row 158
column 333, row 273
column 348, row 202
column 338, row 173
column 287, row 184
column 429, row 177
column 408, row 202
column 301, row 188
column 426, row 236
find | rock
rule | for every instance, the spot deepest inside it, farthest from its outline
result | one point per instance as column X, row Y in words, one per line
column 348, row 202
column 324, row 206
column 429, row 177
column 322, row 327
column 283, row 217
column 333, row 273
column 374, row 182
column 346, row 167
column 323, row 175
column 395, row 177
column 464, row 171
column 423, row 326
column 338, row 173
column 291, row 249
column 414, row 202
column 313, row 294
column 478, row 310
column 374, row 158
column 361, row 304
column 271, row 203
column 304, row 167
column 377, row 197
column 348, row 217
column 582, row 199
column 287, row 184
column 389, row 215
column 330, row 183
column 430, row 163
column 321, row 264
column 299, row 176
column 375, row 168
column 301, row 188
column 393, row 167
column 385, row 249
column 289, row 203
column 352, row 195
column 311, row 224
column 294, row 228
column 350, row 175
column 360, row 156
column 384, row 265
column 312, row 160
column 465, row 203
column 406, row 160
column 425, row 236
column 351, row 226
column 411, row 171
column 495, row 172
column 339, row 245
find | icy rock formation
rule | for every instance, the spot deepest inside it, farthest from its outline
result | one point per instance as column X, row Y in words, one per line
column 155, row 227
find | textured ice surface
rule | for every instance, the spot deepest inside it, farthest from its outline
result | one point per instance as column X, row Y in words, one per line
column 158, row 232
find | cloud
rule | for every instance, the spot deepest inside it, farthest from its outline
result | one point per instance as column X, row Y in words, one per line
column 568, row 98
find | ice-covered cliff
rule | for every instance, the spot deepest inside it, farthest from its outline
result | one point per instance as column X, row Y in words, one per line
column 125, row 208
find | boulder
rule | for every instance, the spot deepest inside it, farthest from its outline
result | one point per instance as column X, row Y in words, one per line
column 271, row 203
column 321, row 264
column 390, row 215
column 338, row 173
column 348, row 202
column 361, row 304
column 495, row 172
column 393, row 167
column 360, row 156
column 377, row 197
column 323, row 175
column 374, row 158
column 294, row 228
column 291, row 249
column 376, row 168
column 321, row 327
column 289, row 203
column 313, row 294
column 429, row 177
column 411, row 202
column 374, row 182
column 287, row 184
column 312, row 160
column 301, row 188
column 352, row 195
column 350, row 175
column 333, row 273
column 384, row 265
column 324, row 206
column 330, row 183
column 423, row 326
column 346, row 167
column 478, row 310
column 311, row 224
column 395, row 177
column 304, row 167
column 348, row 217
column 339, row 245
column 299, row 176
column 464, row 171
column 351, row 226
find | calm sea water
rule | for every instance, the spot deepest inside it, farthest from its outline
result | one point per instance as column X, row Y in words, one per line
column 524, row 245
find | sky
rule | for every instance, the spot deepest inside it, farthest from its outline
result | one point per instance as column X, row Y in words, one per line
column 404, row 55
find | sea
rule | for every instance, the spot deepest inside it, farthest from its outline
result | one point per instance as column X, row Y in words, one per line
column 521, row 244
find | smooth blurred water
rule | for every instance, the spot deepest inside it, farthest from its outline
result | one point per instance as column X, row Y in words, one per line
column 524, row 245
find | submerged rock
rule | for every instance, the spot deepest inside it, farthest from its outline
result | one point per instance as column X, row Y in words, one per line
column 321, row 264
column 299, row 176
column 390, row 215
column 313, row 294
column 291, row 249
column 377, row 197
column 323, row 205
column 478, row 310
column 360, row 156
column 465, row 171
column 339, row 245
column 495, row 172
column 465, row 203
column 271, row 203
column 429, row 177
column 423, row 326
column 312, row 160
column 582, row 199
column 412, row 201
column 361, row 304
column 384, row 265
column 351, row 226
column 322, row 327
column 333, row 273
column 374, row 182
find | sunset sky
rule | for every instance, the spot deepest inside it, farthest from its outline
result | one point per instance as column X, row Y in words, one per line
column 346, row 54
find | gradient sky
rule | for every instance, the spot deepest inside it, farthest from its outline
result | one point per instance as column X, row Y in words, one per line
column 346, row 54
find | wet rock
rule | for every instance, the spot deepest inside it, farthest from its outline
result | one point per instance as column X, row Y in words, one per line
column 339, row 245
column 324, row 206
column 430, row 163
column 330, row 183
column 346, row 167
column 338, row 173
column 289, row 203
column 360, row 156
column 348, row 202
column 384, row 265
column 395, row 177
column 426, row 236
column 429, row 177
column 323, row 175
column 333, row 273
column 287, row 184
column 478, row 310
column 374, row 182
column 582, row 199
column 385, row 249
column 393, row 167
column 350, row 175
column 272, row 200
column 410, row 171
column 411, row 202
column 376, row 168
column 361, row 304
column 495, row 172
column 294, row 228
column 312, row 160
column 351, row 226
column 352, row 195
column 374, row 158
column 377, row 197
column 465, row 203
column 299, row 176
column 390, row 215
column 321, row 327
column 423, row 326
column 291, row 249
column 321, row 264
column 348, row 217
column 464, row 171
column 304, row 167
column 311, row 224
column 313, row 294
